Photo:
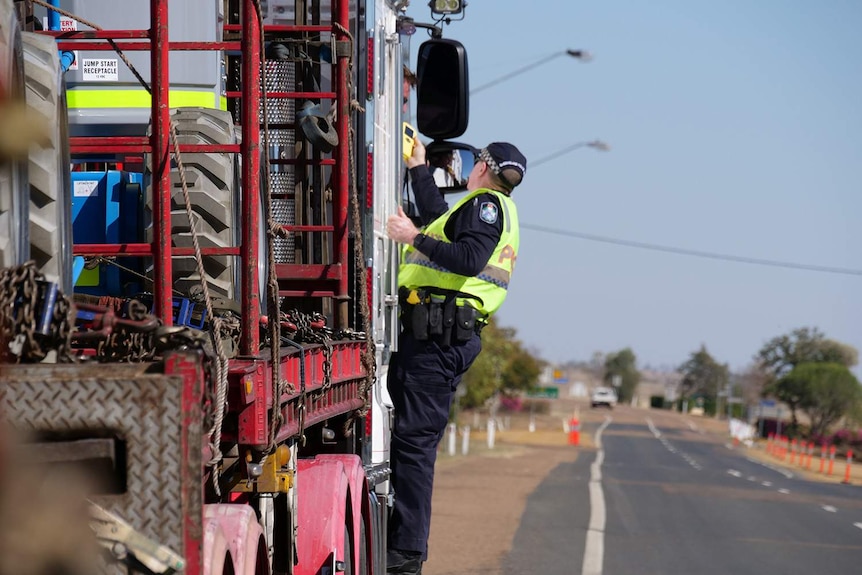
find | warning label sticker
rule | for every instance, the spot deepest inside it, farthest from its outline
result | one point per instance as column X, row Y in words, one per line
column 99, row 70
column 86, row 188
column 69, row 25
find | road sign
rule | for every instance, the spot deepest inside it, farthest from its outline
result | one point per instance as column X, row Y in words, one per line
column 560, row 377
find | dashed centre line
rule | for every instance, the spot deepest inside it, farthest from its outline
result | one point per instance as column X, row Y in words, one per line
column 783, row 491
column 667, row 444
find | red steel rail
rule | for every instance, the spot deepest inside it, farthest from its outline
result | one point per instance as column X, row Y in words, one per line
column 309, row 279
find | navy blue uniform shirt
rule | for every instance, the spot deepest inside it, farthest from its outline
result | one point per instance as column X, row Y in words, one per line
column 473, row 239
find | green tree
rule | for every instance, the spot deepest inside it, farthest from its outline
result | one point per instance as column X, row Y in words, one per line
column 622, row 364
column 792, row 389
column 829, row 392
column 522, row 371
column 781, row 354
column 836, row 352
column 504, row 366
column 703, row 375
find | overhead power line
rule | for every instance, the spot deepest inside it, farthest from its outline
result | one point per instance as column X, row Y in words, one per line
column 693, row 253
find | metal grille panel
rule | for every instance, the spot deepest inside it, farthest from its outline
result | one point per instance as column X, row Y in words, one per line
column 143, row 410
column 281, row 77
column 283, row 211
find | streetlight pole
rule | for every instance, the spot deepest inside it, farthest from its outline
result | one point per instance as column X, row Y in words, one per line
column 581, row 55
column 595, row 144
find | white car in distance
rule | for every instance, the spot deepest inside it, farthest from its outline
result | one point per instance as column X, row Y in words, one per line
column 603, row 396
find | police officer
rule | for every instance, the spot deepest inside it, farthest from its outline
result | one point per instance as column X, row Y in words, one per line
column 454, row 274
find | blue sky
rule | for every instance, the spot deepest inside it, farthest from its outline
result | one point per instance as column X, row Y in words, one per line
column 735, row 127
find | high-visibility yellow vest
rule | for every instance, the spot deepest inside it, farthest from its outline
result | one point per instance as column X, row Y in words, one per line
column 491, row 284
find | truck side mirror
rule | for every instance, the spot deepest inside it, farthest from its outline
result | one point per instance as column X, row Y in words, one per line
column 442, row 89
column 450, row 164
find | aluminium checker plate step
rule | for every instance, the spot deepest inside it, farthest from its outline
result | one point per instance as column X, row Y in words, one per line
column 144, row 411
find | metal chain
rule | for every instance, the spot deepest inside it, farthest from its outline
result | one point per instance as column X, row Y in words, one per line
column 20, row 302
column 306, row 332
column 63, row 321
column 122, row 345
column 122, row 329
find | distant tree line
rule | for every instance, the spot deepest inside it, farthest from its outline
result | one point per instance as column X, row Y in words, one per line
column 803, row 369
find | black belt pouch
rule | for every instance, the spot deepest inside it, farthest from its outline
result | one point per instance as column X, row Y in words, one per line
column 419, row 321
column 465, row 323
column 435, row 318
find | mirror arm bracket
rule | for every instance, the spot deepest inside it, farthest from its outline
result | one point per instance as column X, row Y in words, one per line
column 436, row 31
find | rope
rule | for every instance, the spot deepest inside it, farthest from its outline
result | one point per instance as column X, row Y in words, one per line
column 221, row 364
column 368, row 355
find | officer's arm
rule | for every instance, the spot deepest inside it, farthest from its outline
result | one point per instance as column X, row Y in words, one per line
column 473, row 236
column 429, row 200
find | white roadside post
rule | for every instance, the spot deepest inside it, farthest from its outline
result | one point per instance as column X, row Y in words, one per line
column 465, row 440
column 452, row 432
column 492, row 426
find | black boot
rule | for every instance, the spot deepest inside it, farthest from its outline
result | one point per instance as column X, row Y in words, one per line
column 404, row 562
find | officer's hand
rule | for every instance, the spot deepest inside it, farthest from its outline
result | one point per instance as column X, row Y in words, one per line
column 400, row 228
column 418, row 156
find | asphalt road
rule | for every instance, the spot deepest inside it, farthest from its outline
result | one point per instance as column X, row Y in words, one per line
column 676, row 500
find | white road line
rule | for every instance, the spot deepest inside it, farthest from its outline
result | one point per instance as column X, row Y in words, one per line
column 653, row 428
column 752, row 478
column 594, row 551
column 734, row 472
column 783, row 472
column 784, row 491
column 669, row 446
column 767, row 484
column 829, row 508
column 859, row 525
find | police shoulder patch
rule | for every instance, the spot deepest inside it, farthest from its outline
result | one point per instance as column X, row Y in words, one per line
column 488, row 212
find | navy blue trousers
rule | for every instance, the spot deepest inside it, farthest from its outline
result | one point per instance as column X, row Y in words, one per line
column 422, row 380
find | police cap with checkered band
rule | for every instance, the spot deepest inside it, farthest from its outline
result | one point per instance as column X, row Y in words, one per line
column 506, row 161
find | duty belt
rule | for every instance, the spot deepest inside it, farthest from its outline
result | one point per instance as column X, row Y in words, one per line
column 434, row 314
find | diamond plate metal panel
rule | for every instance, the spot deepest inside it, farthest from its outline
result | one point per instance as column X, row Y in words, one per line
column 145, row 410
